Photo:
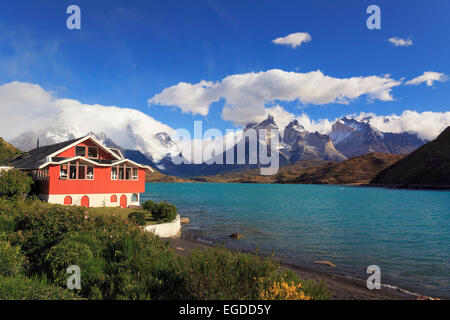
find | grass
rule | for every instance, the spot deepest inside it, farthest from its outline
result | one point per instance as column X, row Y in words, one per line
column 122, row 212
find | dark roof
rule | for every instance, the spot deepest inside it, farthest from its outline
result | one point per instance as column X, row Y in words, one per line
column 36, row 157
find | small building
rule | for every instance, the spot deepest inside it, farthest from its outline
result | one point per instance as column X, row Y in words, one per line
column 84, row 172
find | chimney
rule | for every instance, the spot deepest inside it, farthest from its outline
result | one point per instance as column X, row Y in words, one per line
column 37, row 144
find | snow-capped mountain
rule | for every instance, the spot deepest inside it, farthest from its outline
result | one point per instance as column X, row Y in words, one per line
column 354, row 138
column 154, row 147
column 348, row 138
column 303, row 145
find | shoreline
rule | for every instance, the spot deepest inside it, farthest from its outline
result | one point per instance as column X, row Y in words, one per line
column 342, row 287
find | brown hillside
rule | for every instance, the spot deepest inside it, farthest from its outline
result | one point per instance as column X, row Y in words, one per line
column 356, row 170
column 286, row 173
column 428, row 166
column 157, row 176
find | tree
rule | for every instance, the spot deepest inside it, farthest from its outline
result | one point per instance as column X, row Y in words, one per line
column 15, row 183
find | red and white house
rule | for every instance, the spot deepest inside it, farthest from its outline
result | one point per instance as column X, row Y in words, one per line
column 84, row 172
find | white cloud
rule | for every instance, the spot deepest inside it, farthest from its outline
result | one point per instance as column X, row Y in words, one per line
column 293, row 40
column 399, row 42
column 246, row 95
column 427, row 125
column 194, row 98
column 28, row 107
column 429, row 78
column 321, row 125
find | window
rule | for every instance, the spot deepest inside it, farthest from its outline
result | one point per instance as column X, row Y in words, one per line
column 113, row 198
column 80, row 151
column 121, row 173
column 128, row 173
column 134, row 198
column 90, row 173
column 114, row 173
column 92, row 152
column 135, row 174
column 73, row 170
column 81, row 171
column 63, row 169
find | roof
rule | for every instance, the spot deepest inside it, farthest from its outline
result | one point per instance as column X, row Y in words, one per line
column 36, row 157
column 39, row 158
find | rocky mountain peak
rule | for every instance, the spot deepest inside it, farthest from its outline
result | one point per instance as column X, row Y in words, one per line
column 269, row 123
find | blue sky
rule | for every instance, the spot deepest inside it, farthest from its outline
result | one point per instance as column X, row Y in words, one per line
column 129, row 51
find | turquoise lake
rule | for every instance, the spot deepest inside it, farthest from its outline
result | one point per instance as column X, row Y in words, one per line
column 405, row 232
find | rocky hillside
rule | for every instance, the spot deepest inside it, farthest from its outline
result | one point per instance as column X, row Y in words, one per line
column 300, row 145
column 356, row 170
column 428, row 166
column 7, row 151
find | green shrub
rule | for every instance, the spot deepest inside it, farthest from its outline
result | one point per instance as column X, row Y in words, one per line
column 165, row 212
column 36, row 288
column 15, row 183
column 70, row 252
column 42, row 226
column 11, row 259
column 222, row 274
column 149, row 205
column 140, row 266
column 138, row 218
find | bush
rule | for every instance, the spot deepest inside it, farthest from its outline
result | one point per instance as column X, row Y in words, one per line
column 11, row 259
column 72, row 252
column 42, row 226
column 225, row 275
column 15, row 183
column 222, row 274
column 140, row 266
column 165, row 212
column 149, row 205
column 138, row 218
column 36, row 288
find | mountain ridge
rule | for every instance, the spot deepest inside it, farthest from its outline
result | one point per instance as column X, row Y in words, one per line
column 348, row 138
column 428, row 166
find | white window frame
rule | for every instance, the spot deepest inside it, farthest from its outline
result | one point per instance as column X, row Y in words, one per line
column 88, row 176
column 133, row 176
column 116, row 176
column 66, row 175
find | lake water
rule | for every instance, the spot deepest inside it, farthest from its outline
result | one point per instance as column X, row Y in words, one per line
column 405, row 232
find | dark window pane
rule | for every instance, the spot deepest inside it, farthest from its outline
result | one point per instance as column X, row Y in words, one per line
column 135, row 174
column 90, row 172
column 128, row 173
column 121, row 173
column 81, row 172
column 80, row 151
column 73, row 171
column 92, row 152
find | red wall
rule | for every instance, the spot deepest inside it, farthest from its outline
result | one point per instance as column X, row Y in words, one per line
column 102, row 183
